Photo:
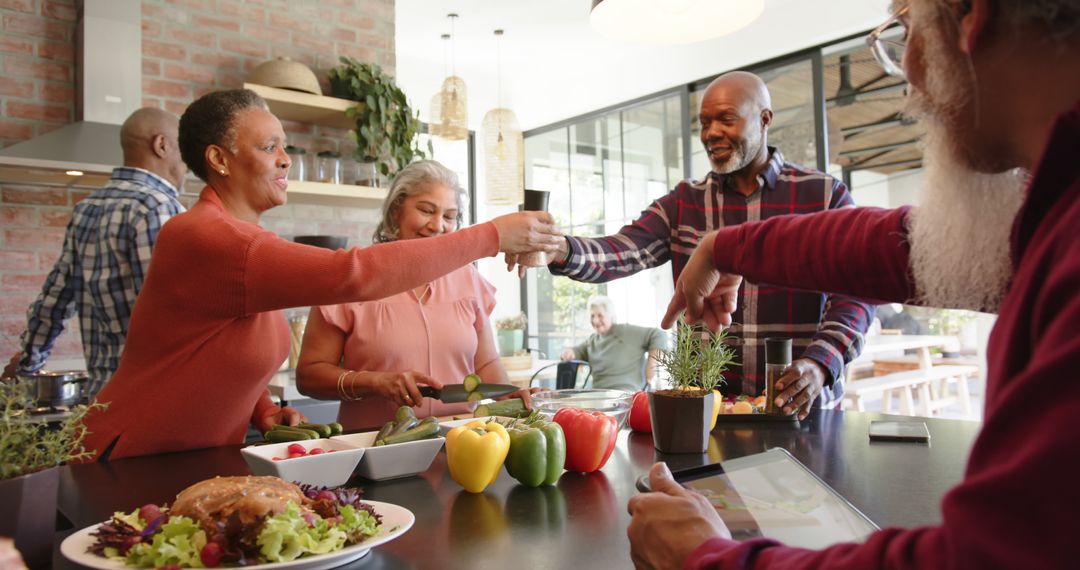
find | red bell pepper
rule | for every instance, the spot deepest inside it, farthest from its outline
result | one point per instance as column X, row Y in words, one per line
column 639, row 413
column 590, row 438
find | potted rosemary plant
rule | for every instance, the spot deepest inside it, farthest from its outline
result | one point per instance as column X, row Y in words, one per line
column 386, row 128
column 30, row 453
column 681, row 415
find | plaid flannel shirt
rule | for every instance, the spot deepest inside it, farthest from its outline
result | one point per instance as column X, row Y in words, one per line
column 105, row 258
column 828, row 329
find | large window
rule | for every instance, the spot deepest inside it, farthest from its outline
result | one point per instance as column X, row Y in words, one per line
column 602, row 172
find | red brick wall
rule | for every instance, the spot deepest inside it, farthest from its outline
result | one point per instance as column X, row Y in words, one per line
column 189, row 47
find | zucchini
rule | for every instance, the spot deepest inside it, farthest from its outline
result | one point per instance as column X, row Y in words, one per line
column 512, row 408
column 426, row 429
column 471, row 382
column 322, row 429
column 335, row 428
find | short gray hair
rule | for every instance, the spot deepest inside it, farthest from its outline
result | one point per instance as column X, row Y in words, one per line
column 605, row 303
column 409, row 182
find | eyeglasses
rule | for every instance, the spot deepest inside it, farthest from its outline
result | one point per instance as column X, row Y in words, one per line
column 889, row 52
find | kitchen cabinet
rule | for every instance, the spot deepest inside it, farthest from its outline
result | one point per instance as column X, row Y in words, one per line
column 327, row 112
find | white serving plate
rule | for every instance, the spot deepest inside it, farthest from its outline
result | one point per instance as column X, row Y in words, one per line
column 395, row 460
column 326, row 469
column 396, row 521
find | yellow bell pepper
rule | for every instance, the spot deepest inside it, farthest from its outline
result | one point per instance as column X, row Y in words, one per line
column 475, row 453
column 717, row 403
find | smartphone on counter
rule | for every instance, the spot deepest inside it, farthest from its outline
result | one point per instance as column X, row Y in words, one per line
column 899, row 431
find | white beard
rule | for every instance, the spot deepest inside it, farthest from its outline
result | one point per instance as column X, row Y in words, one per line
column 742, row 154
column 960, row 230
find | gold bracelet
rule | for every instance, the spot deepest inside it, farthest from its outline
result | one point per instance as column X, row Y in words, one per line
column 352, row 388
column 340, row 385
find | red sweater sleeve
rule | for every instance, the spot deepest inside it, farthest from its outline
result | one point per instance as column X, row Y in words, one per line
column 861, row 252
column 281, row 274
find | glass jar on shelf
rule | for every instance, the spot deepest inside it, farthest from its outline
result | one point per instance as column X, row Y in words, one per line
column 299, row 168
column 367, row 173
column 328, row 167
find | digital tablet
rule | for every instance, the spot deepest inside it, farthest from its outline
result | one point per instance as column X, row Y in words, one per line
column 899, row 431
column 772, row 494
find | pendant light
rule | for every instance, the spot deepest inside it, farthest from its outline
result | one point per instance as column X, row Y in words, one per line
column 660, row 22
column 504, row 167
column 449, row 110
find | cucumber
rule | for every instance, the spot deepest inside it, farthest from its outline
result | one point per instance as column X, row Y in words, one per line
column 424, row 430
column 284, row 435
column 384, row 431
column 403, row 426
column 311, row 434
column 403, row 413
column 322, row 429
column 474, row 397
column 471, row 382
column 335, row 428
column 512, row 408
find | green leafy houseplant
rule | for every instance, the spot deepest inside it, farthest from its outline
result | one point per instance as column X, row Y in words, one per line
column 29, row 482
column 386, row 128
column 681, row 416
column 510, row 333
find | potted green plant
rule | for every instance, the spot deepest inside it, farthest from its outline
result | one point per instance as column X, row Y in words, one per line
column 510, row 332
column 30, row 453
column 682, row 414
column 386, row 128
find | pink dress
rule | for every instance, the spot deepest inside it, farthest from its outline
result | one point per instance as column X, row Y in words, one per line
column 439, row 337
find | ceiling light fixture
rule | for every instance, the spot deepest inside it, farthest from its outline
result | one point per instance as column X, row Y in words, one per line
column 74, row 172
column 672, row 21
column 504, row 147
column 449, row 109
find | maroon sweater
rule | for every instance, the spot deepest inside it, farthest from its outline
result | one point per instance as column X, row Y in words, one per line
column 1016, row 507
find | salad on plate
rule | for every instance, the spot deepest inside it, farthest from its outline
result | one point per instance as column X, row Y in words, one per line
column 237, row 521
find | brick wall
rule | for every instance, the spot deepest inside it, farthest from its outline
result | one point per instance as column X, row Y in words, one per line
column 189, row 47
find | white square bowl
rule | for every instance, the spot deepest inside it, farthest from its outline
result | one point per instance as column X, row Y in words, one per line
column 395, row 460
column 324, row 469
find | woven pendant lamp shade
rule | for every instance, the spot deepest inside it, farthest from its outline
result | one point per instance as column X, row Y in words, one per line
column 449, row 113
column 504, row 157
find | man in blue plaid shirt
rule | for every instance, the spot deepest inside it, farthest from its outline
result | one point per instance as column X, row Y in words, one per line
column 106, row 251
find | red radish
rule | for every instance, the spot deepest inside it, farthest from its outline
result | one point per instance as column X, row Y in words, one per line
column 316, row 451
column 296, row 448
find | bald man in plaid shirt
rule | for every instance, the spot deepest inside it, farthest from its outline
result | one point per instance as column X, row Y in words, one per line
column 107, row 251
column 749, row 181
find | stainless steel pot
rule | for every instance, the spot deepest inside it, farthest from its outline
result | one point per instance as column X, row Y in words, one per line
column 58, row 388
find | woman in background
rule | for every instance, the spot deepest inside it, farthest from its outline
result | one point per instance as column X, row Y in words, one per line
column 207, row 331
column 372, row 355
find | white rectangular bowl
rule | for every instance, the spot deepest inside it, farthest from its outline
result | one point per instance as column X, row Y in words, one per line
column 395, row 460
column 325, row 469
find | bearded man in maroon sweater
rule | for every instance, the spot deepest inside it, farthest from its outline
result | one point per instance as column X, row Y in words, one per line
column 997, row 83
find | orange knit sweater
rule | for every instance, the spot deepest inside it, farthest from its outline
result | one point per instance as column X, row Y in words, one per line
column 207, row 330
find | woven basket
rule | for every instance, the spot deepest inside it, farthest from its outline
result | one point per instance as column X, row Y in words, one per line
column 285, row 73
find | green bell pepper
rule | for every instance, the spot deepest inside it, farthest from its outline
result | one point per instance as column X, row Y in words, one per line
column 537, row 453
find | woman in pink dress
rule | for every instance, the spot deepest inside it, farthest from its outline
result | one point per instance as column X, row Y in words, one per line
column 372, row 355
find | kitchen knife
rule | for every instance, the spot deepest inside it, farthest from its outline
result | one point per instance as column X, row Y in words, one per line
column 456, row 392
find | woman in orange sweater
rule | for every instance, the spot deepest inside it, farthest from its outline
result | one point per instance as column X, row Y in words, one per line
column 207, row 330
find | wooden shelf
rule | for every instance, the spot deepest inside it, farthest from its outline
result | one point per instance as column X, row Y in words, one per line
column 305, row 107
column 335, row 194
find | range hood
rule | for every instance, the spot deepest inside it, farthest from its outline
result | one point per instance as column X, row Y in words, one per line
column 108, row 85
